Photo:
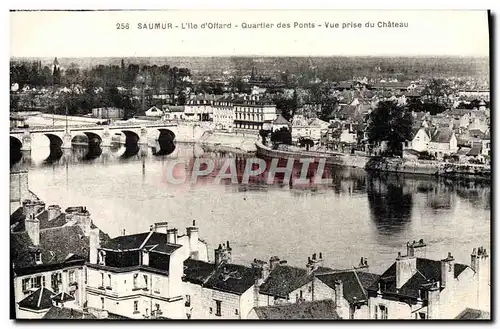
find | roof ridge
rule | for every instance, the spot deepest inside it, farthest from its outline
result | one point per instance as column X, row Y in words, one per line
column 40, row 297
column 359, row 282
column 146, row 239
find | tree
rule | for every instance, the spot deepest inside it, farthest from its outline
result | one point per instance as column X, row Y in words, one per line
column 281, row 136
column 264, row 134
column 390, row 123
column 306, row 142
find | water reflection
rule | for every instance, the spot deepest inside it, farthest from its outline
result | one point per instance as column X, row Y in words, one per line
column 390, row 203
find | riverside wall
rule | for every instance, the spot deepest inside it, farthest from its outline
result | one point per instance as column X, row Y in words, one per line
column 229, row 141
column 417, row 167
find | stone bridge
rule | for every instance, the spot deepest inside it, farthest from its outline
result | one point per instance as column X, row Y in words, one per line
column 63, row 136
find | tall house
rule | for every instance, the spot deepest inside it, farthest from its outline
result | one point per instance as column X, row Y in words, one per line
column 251, row 112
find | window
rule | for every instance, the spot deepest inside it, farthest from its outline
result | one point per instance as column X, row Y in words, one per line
column 421, row 315
column 309, row 288
column 236, row 312
column 136, row 306
column 38, row 257
column 145, row 282
column 102, row 280
column 71, row 276
column 383, row 312
column 56, row 280
column 188, row 301
column 38, row 282
column 102, row 303
column 157, row 285
column 26, row 283
column 301, row 295
column 109, row 281
column 136, row 284
column 218, row 305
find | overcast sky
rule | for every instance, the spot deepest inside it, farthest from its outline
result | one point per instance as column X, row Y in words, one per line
column 94, row 34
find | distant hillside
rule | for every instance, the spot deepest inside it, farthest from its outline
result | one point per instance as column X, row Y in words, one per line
column 411, row 67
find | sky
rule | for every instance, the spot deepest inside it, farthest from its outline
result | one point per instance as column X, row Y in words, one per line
column 95, row 33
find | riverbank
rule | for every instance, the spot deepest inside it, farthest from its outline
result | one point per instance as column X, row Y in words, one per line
column 216, row 141
column 397, row 165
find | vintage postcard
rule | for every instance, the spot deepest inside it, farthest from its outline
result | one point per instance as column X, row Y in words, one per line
column 250, row 164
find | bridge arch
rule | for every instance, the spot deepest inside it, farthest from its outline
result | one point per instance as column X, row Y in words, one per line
column 93, row 137
column 131, row 137
column 15, row 141
column 166, row 133
column 54, row 139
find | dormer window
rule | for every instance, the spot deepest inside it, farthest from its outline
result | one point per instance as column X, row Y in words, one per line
column 38, row 257
column 102, row 257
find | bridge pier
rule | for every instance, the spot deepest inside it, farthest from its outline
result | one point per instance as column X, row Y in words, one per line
column 143, row 136
column 66, row 141
column 26, row 142
column 106, row 138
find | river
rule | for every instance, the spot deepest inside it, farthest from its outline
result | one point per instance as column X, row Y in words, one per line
column 358, row 215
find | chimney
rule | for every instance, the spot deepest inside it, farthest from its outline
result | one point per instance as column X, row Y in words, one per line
column 161, row 227
column 53, row 211
column 82, row 218
column 145, row 257
column 95, row 244
column 447, row 270
column 273, row 262
column 32, row 207
column 193, row 236
column 262, row 269
column 339, row 295
column 172, row 236
column 406, row 267
column 218, row 255
column 363, row 265
column 433, row 294
column 33, row 228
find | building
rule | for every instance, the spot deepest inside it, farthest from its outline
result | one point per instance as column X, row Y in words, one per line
column 17, row 121
column 308, row 128
column 280, row 122
column 420, row 140
column 172, row 112
column 48, row 252
column 219, row 290
column 199, row 108
column 251, row 112
column 421, row 288
column 283, row 284
column 154, row 112
column 139, row 276
column 224, row 113
column 317, row 310
column 443, row 142
column 108, row 113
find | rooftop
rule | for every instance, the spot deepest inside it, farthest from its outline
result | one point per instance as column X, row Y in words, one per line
column 67, row 314
column 40, row 299
column 232, row 278
column 355, row 283
column 428, row 270
column 316, row 310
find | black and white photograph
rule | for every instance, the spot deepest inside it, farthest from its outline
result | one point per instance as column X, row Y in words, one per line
column 250, row 165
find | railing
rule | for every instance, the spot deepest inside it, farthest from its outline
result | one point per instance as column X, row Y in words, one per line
column 93, row 126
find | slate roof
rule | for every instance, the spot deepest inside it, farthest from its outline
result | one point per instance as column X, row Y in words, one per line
column 475, row 150
column 196, row 271
column 232, row 278
column 280, row 120
column 284, row 279
column 40, row 299
column 473, row 314
column 355, row 283
column 62, row 297
column 147, row 239
column 316, row 310
column 17, row 220
column 58, row 313
column 58, row 245
column 442, row 135
column 56, row 222
column 428, row 270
